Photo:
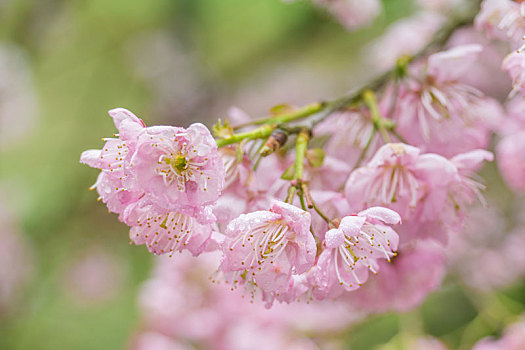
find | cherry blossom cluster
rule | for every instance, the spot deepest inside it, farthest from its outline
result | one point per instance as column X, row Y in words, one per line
column 361, row 200
column 161, row 180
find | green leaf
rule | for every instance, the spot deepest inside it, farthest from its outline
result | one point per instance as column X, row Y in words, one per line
column 223, row 130
column 315, row 157
column 289, row 173
column 281, row 109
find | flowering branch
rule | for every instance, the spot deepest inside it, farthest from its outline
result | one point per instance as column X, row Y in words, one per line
column 300, row 113
column 182, row 189
column 325, row 109
column 259, row 133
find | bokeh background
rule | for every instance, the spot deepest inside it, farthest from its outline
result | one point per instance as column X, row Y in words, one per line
column 72, row 278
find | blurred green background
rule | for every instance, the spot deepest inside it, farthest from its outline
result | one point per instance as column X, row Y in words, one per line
column 170, row 62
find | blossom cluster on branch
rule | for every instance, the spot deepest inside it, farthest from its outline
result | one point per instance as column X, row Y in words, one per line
column 354, row 199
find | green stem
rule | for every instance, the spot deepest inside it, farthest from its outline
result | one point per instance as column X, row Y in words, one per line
column 327, row 108
column 301, row 143
column 365, row 149
column 320, row 213
column 301, row 199
column 300, row 113
column 381, row 124
column 291, row 194
column 259, row 133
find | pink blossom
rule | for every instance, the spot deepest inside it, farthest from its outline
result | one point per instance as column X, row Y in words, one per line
column 404, row 283
column 441, row 115
column 169, row 232
column 447, row 209
column 400, row 178
column 267, row 247
column 467, row 188
column 348, row 133
column 502, row 19
column 95, row 277
column 236, row 170
column 353, row 248
column 514, row 64
column 115, row 184
column 404, row 37
column 178, row 167
column 485, row 73
column 115, row 194
column 429, row 191
column 352, row 13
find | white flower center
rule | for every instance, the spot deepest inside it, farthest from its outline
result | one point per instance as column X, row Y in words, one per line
column 392, row 182
column 180, row 166
column 268, row 242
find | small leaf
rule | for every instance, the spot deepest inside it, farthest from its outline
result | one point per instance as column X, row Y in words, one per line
column 281, row 109
column 289, row 173
column 315, row 157
column 223, row 130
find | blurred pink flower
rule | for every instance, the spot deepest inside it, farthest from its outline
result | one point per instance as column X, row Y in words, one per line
column 495, row 266
column 347, row 134
column 179, row 304
column 445, row 210
column 514, row 64
column 400, row 178
column 515, row 120
column 441, row 115
column 404, row 37
column 352, row 14
column 502, row 19
column 485, row 73
column 404, row 283
column 96, row 276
